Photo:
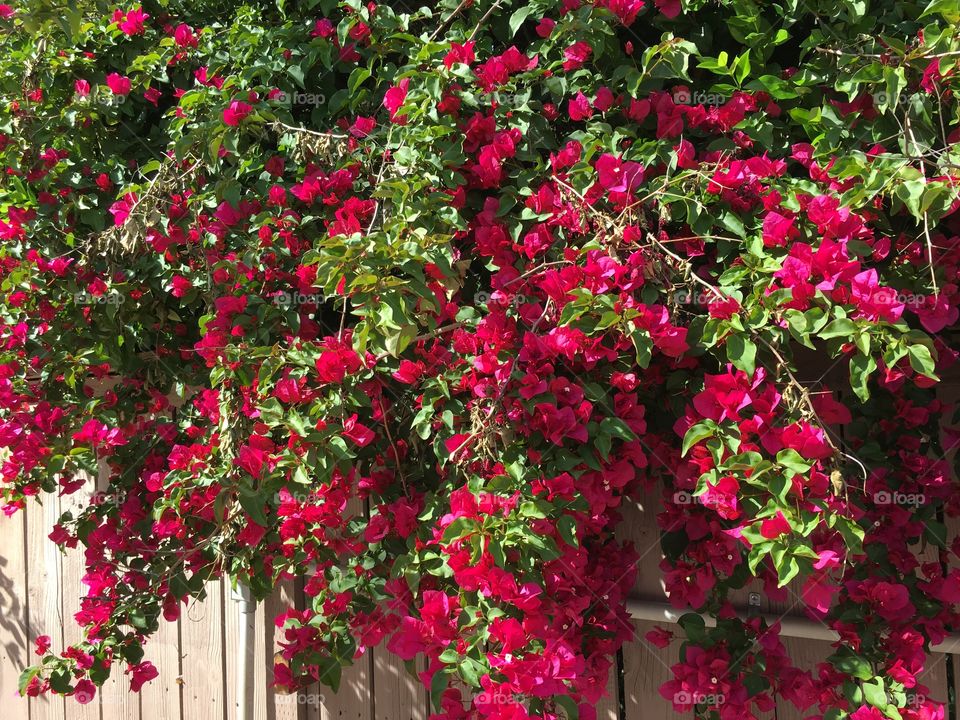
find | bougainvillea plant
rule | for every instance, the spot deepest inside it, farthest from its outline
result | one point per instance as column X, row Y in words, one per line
column 408, row 300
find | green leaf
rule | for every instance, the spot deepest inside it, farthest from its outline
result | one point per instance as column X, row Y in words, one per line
column 459, row 528
column 25, row 677
column 847, row 662
column 948, row 9
column 438, row 684
column 179, row 587
column 214, row 147
column 617, row 428
column 357, row 78
column 496, row 550
column 529, row 509
column 296, row 72
column 253, row 504
column 742, row 353
column 696, row 433
column 841, row 327
column 874, row 693
column 911, row 192
column 733, row 223
column 741, row 67
column 792, row 460
column 471, row 671
column 787, row 569
column 397, row 342
column 935, row 532
column 570, row 708
column 60, row 682
column 643, row 344
column 300, row 476
column 861, row 367
column 922, row 361
column 330, row 671
column 296, row 423
column 518, row 18
column 568, row 530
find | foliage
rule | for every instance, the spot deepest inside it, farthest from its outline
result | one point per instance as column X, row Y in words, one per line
column 409, row 301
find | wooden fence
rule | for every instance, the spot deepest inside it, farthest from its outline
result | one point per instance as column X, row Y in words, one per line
column 197, row 656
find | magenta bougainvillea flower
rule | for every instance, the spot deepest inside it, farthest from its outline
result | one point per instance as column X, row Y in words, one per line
column 235, row 112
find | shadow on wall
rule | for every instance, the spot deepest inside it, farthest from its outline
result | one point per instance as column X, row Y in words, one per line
column 12, row 613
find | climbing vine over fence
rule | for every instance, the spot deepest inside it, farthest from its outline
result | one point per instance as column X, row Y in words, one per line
column 408, row 301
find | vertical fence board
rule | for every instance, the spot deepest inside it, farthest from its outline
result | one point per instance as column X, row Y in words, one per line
column 43, row 594
column 398, row 695
column 278, row 706
column 269, row 705
column 232, row 620
column 14, row 653
column 934, row 677
column 646, row 667
column 354, row 700
column 117, row 701
column 936, row 671
column 160, row 698
column 609, row 706
column 73, row 565
column 201, row 656
column 954, row 660
column 266, row 703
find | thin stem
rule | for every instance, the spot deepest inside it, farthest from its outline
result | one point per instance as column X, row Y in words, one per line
column 443, row 26
column 487, row 14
